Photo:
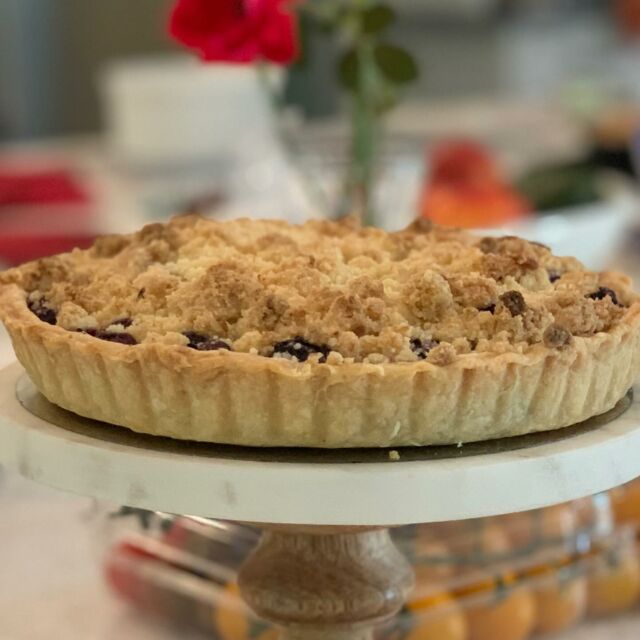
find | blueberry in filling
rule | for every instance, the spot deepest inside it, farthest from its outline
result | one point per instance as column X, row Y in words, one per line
column 422, row 347
column 43, row 312
column 554, row 275
column 200, row 342
column 300, row 349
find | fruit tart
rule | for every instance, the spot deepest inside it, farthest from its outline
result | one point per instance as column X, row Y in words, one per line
column 261, row 333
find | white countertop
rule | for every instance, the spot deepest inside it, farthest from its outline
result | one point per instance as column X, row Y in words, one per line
column 50, row 583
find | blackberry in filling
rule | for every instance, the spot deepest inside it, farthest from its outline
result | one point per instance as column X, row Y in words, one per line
column 120, row 338
column 200, row 342
column 602, row 293
column 422, row 347
column 300, row 349
column 44, row 312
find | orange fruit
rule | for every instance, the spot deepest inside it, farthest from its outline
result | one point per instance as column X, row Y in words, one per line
column 438, row 617
column 469, row 207
column 614, row 588
column 466, row 188
column 231, row 615
column 449, row 626
column 625, row 504
column 560, row 605
column 510, row 618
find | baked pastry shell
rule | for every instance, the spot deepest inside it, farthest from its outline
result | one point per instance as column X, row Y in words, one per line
column 245, row 399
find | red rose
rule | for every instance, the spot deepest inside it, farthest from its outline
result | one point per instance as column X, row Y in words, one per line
column 236, row 30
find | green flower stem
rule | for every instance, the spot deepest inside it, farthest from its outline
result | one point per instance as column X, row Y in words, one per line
column 364, row 135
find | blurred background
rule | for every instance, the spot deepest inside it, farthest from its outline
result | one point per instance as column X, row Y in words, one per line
column 533, row 106
column 105, row 123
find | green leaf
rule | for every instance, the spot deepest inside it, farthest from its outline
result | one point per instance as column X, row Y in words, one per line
column 377, row 18
column 396, row 64
column 348, row 70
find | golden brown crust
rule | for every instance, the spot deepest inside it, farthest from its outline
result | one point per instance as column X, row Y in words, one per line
column 362, row 294
column 546, row 356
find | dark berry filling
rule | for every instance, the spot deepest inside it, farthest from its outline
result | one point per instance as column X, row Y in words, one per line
column 300, row 349
column 422, row 347
column 200, row 342
column 602, row 293
column 514, row 302
column 490, row 308
column 120, row 338
column 43, row 312
column 554, row 275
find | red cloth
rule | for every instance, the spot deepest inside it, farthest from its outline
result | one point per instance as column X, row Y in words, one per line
column 42, row 212
column 54, row 186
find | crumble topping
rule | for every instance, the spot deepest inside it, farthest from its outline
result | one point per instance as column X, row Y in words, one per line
column 324, row 291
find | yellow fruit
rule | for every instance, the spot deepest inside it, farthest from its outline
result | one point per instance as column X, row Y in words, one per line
column 231, row 615
column 560, row 606
column 511, row 618
column 437, row 618
column 614, row 588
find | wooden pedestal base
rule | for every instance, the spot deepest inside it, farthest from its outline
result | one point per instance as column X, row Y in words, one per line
column 326, row 583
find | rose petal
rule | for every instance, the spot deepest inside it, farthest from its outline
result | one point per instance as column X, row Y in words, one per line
column 236, row 30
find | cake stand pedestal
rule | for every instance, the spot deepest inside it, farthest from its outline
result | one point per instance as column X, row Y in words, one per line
column 325, row 567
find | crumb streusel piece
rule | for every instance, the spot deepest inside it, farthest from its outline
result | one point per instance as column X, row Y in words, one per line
column 324, row 291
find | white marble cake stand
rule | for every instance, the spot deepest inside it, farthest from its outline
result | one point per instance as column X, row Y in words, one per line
column 325, row 567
